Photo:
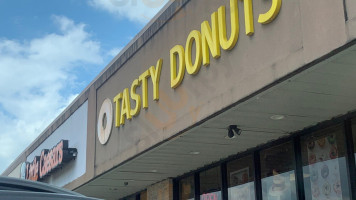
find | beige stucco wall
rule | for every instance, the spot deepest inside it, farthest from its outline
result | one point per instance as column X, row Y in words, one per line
column 161, row 191
column 351, row 14
column 303, row 31
column 350, row 9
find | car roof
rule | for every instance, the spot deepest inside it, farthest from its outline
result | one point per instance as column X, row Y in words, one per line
column 16, row 184
column 26, row 195
column 16, row 188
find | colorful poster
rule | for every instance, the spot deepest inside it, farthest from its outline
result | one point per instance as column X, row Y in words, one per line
column 324, row 168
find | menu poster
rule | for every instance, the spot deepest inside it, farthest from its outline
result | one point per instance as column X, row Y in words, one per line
column 242, row 189
column 324, row 168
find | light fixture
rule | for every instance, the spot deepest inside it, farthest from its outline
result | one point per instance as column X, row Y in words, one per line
column 231, row 131
column 277, row 117
column 154, row 171
column 194, row 153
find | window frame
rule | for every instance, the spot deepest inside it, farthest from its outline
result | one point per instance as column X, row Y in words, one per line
column 345, row 121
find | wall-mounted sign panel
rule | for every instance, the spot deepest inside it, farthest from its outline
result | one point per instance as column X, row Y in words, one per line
column 49, row 161
column 74, row 130
column 16, row 173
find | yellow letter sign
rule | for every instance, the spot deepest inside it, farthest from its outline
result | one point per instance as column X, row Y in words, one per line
column 271, row 14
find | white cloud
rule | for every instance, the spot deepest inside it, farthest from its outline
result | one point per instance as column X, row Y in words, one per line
column 113, row 52
column 34, row 79
column 135, row 10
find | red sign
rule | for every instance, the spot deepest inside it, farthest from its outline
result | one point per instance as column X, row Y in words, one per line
column 211, row 196
column 49, row 160
column 32, row 169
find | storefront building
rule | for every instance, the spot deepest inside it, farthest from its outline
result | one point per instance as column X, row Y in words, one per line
column 229, row 99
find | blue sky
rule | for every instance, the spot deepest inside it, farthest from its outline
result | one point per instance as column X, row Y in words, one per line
column 50, row 51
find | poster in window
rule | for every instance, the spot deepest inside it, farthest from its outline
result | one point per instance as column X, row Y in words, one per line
column 324, row 168
column 242, row 189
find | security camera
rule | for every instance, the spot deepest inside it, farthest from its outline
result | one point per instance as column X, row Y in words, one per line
column 231, row 131
column 230, row 134
column 236, row 130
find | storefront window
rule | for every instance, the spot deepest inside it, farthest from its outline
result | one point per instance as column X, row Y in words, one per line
column 186, row 188
column 324, row 164
column 277, row 173
column 240, row 176
column 210, row 184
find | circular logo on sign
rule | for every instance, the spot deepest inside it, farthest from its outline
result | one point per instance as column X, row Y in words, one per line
column 105, row 121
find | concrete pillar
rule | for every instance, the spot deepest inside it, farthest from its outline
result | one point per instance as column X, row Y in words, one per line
column 143, row 195
column 161, row 191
